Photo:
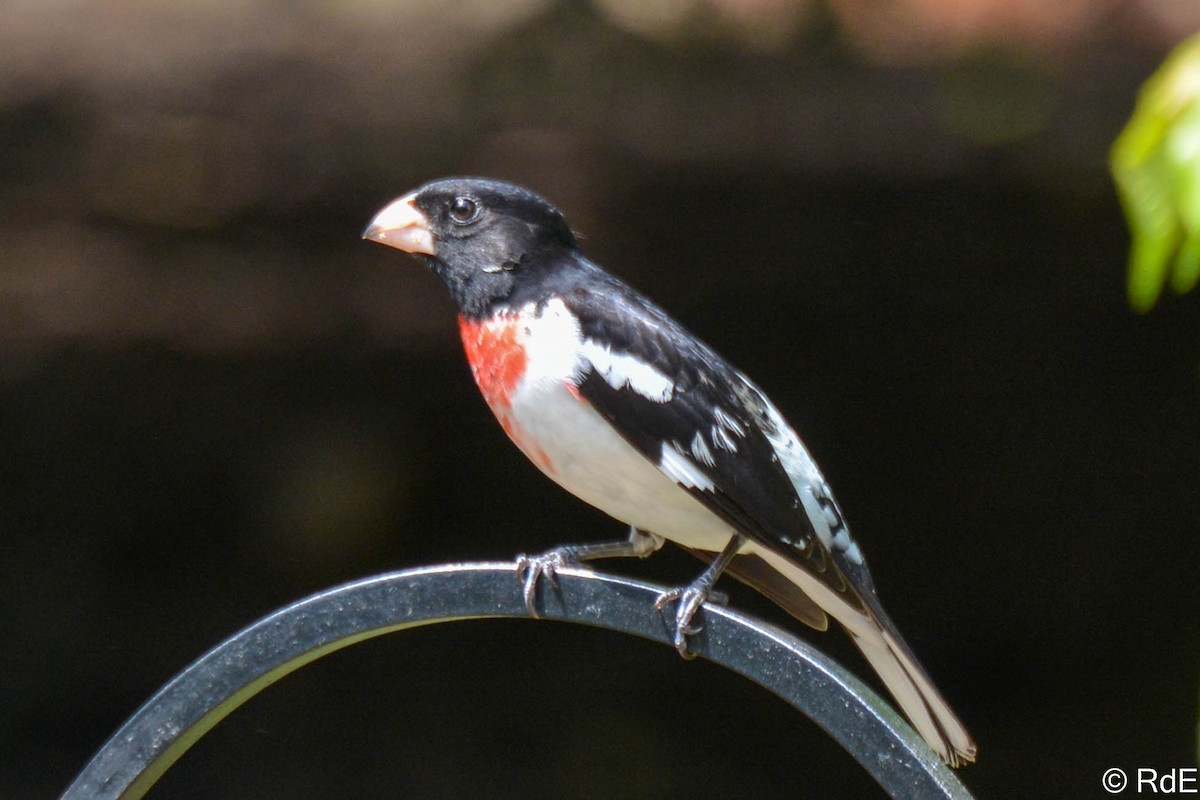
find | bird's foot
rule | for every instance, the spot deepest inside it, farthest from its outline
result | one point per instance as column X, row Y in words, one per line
column 531, row 569
column 689, row 600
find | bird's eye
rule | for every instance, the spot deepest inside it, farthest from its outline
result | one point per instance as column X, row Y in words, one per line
column 463, row 210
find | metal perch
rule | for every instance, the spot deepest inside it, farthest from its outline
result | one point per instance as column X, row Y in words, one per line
column 227, row 676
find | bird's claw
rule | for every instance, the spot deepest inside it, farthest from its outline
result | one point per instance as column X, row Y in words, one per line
column 531, row 569
column 690, row 599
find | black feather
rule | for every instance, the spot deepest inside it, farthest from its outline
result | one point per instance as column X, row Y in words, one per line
column 752, row 491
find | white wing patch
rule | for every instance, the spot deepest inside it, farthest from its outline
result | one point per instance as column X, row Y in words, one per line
column 792, row 454
column 620, row 370
column 807, row 479
column 725, row 429
column 678, row 467
column 700, row 450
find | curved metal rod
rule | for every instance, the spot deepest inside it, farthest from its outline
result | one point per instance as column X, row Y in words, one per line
column 249, row 661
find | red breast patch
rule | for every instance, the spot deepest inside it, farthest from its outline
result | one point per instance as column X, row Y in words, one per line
column 498, row 362
column 496, row 357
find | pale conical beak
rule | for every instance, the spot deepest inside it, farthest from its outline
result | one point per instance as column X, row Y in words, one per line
column 402, row 225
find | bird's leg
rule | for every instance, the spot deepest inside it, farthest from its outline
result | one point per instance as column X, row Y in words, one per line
column 695, row 594
column 530, row 569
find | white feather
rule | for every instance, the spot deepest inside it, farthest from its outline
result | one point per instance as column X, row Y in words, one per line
column 675, row 464
column 622, row 371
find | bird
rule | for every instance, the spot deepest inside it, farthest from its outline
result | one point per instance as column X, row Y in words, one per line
column 629, row 411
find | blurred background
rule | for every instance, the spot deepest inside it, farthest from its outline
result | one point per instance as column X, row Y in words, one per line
column 894, row 214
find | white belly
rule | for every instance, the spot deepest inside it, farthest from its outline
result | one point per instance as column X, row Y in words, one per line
column 581, row 452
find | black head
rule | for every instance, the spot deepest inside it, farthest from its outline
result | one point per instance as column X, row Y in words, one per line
column 478, row 234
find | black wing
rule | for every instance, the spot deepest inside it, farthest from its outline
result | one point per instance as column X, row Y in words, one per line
column 710, row 420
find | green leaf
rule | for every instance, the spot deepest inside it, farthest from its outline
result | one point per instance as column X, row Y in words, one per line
column 1156, row 166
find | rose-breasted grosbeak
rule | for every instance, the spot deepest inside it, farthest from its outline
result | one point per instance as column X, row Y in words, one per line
column 626, row 409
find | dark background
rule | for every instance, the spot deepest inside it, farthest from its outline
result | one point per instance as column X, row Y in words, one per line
column 894, row 215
